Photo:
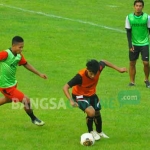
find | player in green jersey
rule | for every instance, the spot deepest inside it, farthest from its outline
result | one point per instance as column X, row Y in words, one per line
column 137, row 25
column 9, row 60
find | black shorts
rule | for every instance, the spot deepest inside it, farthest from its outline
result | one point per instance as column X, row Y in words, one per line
column 144, row 50
column 85, row 102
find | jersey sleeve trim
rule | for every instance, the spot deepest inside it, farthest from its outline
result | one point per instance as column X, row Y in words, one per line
column 22, row 61
column 76, row 80
column 3, row 55
column 148, row 23
column 101, row 65
column 127, row 23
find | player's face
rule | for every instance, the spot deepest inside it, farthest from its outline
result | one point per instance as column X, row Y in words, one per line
column 138, row 7
column 90, row 74
column 17, row 48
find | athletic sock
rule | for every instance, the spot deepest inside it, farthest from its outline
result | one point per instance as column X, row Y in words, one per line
column 89, row 122
column 31, row 115
column 98, row 123
column 29, row 111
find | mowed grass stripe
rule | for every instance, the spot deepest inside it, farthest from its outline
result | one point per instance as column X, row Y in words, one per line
column 64, row 18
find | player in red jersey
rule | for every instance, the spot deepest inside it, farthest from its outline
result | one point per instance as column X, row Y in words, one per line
column 9, row 60
column 84, row 94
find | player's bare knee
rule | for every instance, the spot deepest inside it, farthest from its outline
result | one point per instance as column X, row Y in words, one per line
column 26, row 100
column 91, row 113
column 132, row 63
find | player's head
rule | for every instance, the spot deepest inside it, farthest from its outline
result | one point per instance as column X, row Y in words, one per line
column 17, row 39
column 139, row 1
column 138, row 6
column 17, row 44
column 92, row 67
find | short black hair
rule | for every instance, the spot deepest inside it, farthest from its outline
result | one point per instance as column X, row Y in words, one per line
column 93, row 65
column 17, row 39
column 139, row 1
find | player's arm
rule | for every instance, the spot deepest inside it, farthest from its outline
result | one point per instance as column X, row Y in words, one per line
column 128, row 31
column 129, row 38
column 35, row 71
column 121, row 70
column 74, row 81
column 30, row 67
column 68, row 95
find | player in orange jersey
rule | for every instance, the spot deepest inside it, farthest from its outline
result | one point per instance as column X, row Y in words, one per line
column 84, row 93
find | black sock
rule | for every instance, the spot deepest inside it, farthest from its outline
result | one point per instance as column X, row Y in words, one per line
column 89, row 122
column 29, row 111
column 31, row 115
column 98, row 123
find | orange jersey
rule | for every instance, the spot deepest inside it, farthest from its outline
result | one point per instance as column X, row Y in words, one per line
column 88, row 86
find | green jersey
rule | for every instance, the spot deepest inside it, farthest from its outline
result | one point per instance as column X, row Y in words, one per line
column 139, row 32
column 8, row 69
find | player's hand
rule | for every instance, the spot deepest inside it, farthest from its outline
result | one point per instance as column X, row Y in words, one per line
column 43, row 76
column 73, row 104
column 122, row 70
column 132, row 49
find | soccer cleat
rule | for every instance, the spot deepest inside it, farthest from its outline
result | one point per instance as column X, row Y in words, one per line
column 131, row 84
column 95, row 135
column 102, row 134
column 147, row 84
column 38, row 122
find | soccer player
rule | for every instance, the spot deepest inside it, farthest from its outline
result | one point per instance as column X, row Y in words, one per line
column 84, row 95
column 9, row 60
column 137, row 25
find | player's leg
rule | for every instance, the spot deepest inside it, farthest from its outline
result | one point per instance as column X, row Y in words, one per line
column 90, row 117
column 97, row 116
column 17, row 96
column 133, row 56
column 132, row 72
column 29, row 111
column 146, row 72
column 98, row 124
column 85, row 106
column 145, row 58
column 90, row 111
column 98, row 121
column 94, row 101
column 6, row 93
column 4, row 100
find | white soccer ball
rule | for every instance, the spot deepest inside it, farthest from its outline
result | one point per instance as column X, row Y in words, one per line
column 87, row 139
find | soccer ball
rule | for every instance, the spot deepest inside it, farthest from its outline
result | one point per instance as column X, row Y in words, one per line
column 87, row 139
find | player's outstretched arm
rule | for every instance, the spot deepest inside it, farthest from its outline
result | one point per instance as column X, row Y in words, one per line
column 121, row 70
column 32, row 69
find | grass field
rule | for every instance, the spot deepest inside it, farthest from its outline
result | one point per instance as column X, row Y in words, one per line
column 60, row 36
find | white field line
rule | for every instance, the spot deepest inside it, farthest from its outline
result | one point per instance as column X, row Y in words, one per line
column 63, row 18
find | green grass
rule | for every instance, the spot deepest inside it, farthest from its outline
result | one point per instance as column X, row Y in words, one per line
column 60, row 47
